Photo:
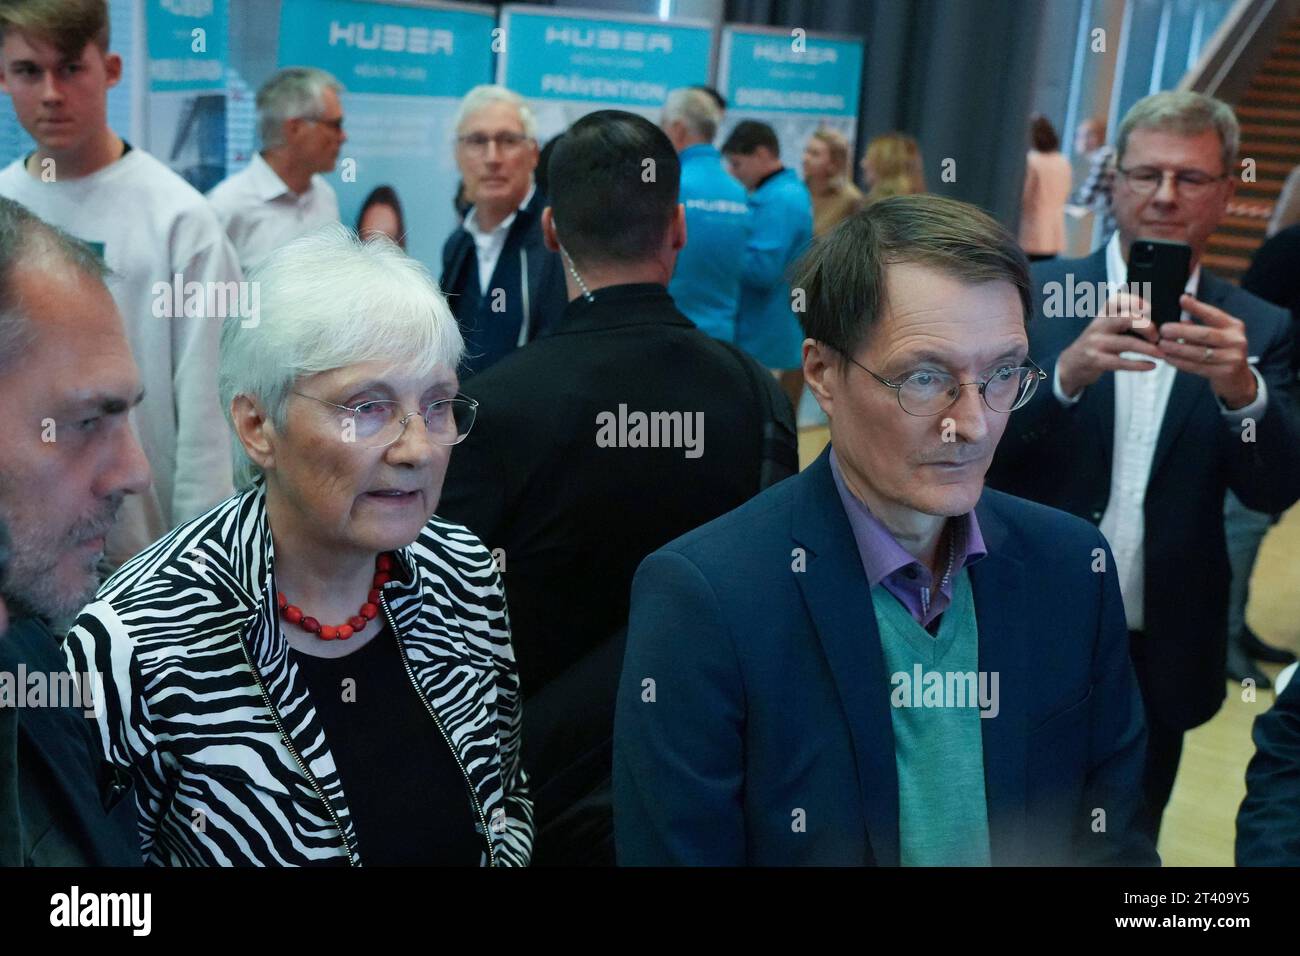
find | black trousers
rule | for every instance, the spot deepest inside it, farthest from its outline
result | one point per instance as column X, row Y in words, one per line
column 1164, row 750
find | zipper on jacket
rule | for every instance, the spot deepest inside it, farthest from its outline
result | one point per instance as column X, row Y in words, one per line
column 288, row 742
column 487, row 834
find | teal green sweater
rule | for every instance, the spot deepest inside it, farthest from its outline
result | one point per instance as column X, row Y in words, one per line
column 938, row 747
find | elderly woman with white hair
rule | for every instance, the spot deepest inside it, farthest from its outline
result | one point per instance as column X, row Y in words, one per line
column 319, row 670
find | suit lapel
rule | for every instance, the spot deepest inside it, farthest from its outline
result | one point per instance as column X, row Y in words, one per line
column 1099, row 399
column 835, row 589
column 998, row 587
column 1188, row 389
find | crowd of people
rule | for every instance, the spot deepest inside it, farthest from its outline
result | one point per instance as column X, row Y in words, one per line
column 322, row 607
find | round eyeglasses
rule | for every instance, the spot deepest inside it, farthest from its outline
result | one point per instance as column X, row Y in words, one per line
column 925, row 393
column 379, row 423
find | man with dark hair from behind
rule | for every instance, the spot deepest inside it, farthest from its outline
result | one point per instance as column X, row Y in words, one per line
column 68, row 459
column 598, row 443
column 781, row 226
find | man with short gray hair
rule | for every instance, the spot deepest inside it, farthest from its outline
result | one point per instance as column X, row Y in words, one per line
column 501, row 282
column 281, row 194
column 1141, row 430
column 68, row 459
column 706, row 282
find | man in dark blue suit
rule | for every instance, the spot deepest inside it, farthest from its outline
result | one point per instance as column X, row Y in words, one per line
column 878, row 661
column 1143, row 434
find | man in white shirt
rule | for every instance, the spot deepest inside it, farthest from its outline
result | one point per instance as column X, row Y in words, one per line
column 281, row 194
column 1143, row 433
column 502, row 283
column 151, row 227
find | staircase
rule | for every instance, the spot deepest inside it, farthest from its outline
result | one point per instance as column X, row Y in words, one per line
column 1269, row 113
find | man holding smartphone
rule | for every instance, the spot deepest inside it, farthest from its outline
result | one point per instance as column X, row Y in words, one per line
column 1143, row 433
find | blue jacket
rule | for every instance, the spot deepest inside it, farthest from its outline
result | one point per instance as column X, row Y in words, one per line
column 771, row 693
column 782, row 221
column 706, row 283
column 493, row 326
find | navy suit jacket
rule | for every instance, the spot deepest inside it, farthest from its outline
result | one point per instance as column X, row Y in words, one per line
column 1061, row 456
column 1268, row 823
column 770, row 696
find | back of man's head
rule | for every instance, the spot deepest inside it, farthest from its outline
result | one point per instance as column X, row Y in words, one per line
column 614, row 179
column 696, row 111
column 67, row 25
column 750, row 136
column 27, row 241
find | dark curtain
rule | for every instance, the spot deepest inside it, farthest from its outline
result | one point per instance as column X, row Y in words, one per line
column 956, row 74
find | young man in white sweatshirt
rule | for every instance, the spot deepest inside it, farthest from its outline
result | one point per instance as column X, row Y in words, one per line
column 150, row 226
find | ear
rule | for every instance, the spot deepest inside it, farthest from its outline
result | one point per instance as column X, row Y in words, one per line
column 254, row 430
column 678, row 233
column 821, row 372
column 548, row 231
column 112, row 69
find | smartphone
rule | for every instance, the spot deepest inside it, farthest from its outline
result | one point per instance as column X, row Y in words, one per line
column 1158, row 271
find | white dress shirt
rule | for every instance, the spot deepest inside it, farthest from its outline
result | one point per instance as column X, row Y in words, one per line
column 1140, row 402
column 261, row 213
column 488, row 245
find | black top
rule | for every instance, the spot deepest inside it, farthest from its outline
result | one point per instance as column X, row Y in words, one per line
column 407, row 795
column 1274, row 274
column 61, row 804
column 575, row 516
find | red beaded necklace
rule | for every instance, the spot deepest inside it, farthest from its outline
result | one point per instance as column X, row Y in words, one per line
column 341, row 632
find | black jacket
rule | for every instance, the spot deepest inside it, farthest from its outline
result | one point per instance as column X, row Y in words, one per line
column 60, row 803
column 1268, row 823
column 531, row 283
column 573, row 519
column 1061, row 455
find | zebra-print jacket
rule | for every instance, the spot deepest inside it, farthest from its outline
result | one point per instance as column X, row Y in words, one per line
column 203, row 705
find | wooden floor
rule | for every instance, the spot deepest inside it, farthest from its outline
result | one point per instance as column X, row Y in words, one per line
column 1199, row 825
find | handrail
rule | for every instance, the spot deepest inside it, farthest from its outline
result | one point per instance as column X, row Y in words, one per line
column 1239, row 48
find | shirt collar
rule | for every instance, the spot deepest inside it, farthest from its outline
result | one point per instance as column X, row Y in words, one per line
column 267, row 182
column 881, row 554
column 471, row 218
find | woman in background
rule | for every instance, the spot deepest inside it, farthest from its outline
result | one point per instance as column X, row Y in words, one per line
column 825, row 173
column 381, row 215
column 892, row 166
column 1047, row 190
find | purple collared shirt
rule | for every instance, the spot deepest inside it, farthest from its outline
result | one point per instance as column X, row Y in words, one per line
column 886, row 561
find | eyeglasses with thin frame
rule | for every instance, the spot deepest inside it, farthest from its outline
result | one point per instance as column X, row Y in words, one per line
column 334, row 124
column 476, row 144
column 379, row 423
column 924, row 394
column 1191, row 183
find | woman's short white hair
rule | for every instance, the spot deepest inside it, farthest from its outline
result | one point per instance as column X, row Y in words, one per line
column 296, row 92
column 488, row 93
column 329, row 301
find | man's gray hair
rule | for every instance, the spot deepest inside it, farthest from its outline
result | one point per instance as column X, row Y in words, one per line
column 28, row 240
column 329, row 301
column 296, row 92
column 486, row 94
column 694, row 108
column 1187, row 114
